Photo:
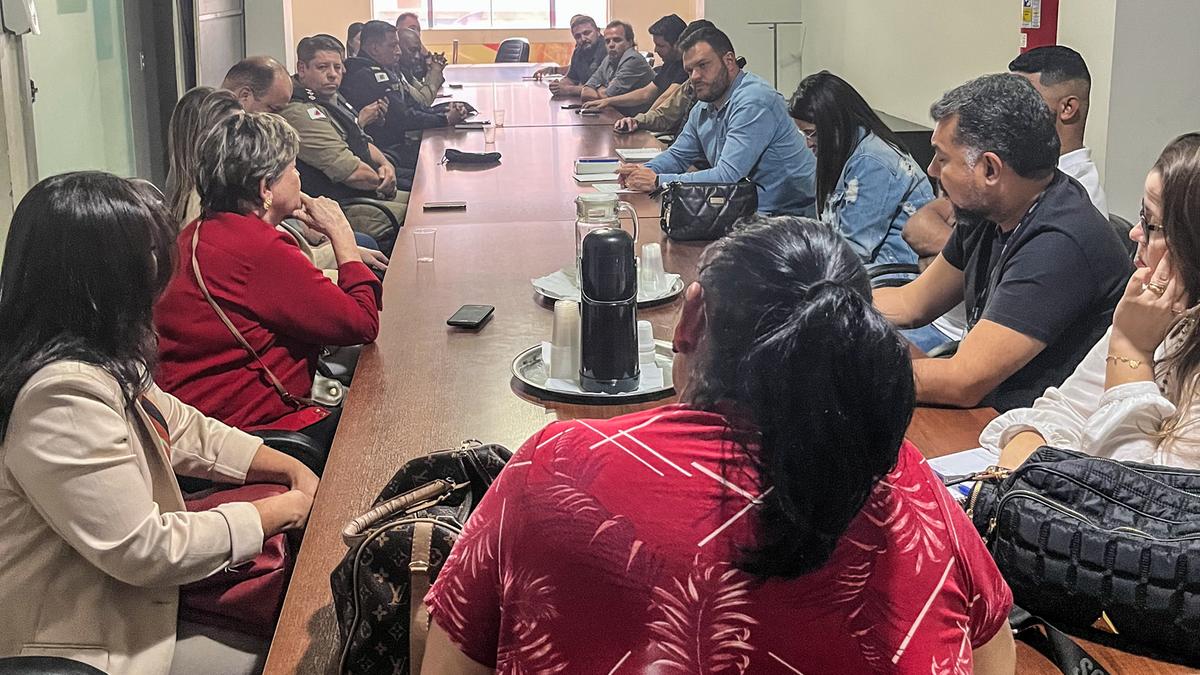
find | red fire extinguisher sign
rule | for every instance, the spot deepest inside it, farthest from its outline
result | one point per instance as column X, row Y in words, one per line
column 1039, row 23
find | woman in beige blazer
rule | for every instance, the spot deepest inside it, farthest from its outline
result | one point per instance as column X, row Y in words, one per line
column 94, row 536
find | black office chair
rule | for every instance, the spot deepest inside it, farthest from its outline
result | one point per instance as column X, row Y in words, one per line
column 1122, row 228
column 45, row 665
column 513, row 50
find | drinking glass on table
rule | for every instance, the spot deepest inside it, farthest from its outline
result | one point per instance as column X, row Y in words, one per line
column 424, row 239
column 498, row 116
column 489, row 135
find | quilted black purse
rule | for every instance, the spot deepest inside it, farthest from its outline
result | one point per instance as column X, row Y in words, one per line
column 397, row 550
column 1078, row 536
column 705, row 211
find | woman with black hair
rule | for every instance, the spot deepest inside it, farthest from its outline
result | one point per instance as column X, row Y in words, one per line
column 867, row 183
column 94, row 536
column 774, row 521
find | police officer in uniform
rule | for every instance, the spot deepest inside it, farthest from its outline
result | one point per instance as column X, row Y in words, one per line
column 372, row 76
column 337, row 158
column 422, row 71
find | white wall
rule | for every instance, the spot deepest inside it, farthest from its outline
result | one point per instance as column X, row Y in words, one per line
column 1155, row 90
column 754, row 42
column 902, row 56
column 269, row 31
column 1089, row 27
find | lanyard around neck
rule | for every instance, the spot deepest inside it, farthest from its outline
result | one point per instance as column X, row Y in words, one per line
column 992, row 274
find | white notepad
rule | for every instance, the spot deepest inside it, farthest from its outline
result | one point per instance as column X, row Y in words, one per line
column 596, row 177
column 638, row 154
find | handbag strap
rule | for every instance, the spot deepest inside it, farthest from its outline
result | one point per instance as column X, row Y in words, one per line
column 294, row 401
column 427, row 495
column 1063, row 651
column 418, row 584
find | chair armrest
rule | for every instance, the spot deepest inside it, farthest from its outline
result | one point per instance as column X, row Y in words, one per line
column 876, row 271
column 295, row 444
column 367, row 201
column 45, row 665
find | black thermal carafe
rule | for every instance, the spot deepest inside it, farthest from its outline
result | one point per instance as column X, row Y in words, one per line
column 608, row 358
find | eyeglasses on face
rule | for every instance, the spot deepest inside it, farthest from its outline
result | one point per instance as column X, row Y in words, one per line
column 1148, row 228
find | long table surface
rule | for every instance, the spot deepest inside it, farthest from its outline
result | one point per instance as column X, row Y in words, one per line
column 525, row 104
column 423, row 386
column 534, row 180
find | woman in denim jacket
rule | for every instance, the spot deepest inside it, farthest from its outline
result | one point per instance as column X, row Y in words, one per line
column 867, row 184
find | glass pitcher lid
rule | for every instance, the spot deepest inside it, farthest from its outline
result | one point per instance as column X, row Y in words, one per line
column 596, row 205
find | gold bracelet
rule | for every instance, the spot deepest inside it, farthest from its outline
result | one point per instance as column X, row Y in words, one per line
column 1132, row 363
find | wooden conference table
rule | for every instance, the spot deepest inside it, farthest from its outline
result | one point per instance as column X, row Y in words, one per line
column 423, row 386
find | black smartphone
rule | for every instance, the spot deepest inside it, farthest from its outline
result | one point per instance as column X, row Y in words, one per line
column 470, row 316
column 572, row 106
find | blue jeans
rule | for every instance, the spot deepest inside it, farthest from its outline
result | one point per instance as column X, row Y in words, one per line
column 366, row 241
column 925, row 337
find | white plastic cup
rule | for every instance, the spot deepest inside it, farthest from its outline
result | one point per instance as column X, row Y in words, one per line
column 424, row 239
column 564, row 342
column 652, row 278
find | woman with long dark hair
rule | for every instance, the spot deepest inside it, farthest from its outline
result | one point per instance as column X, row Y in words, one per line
column 774, row 521
column 94, row 536
column 1134, row 396
column 867, row 183
column 243, row 323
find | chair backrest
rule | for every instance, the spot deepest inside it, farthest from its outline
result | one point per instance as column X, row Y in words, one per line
column 513, row 50
column 1122, row 228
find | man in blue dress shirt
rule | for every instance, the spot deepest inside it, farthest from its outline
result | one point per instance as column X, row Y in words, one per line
column 740, row 127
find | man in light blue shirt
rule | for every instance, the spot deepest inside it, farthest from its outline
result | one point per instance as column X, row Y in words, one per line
column 740, row 127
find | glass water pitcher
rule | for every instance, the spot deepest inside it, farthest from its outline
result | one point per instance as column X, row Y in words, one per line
column 599, row 209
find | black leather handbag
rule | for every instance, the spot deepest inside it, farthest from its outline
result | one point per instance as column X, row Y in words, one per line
column 397, row 550
column 1078, row 537
column 705, row 211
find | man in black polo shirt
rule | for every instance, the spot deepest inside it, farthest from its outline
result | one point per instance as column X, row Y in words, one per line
column 1039, row 268
column 666, row 33
column 589, row 52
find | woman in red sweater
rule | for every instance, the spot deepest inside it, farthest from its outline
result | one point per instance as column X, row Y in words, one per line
column 271, row 295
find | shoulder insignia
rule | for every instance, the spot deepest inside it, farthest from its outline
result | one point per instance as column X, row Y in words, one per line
column 315, row 113
column 381, row 76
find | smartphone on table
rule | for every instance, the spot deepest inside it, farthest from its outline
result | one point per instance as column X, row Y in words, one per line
column 470, row 316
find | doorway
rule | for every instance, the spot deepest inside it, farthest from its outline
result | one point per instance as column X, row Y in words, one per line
column 104, row 83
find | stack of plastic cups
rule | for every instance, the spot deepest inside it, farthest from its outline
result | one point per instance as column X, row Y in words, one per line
column 564, row 343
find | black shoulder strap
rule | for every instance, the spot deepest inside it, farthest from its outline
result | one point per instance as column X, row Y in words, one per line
column 1064, row 652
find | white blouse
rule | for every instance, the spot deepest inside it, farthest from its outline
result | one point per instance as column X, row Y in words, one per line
column 1121, row 423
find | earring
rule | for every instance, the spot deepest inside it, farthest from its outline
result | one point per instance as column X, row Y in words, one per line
column 267, row 203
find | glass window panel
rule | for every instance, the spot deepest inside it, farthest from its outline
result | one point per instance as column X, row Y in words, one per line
column 390, row 10
column 565, row 9
column 492, row 13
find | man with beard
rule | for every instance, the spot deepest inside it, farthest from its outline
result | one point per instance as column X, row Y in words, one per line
column 589, row 52
column 740, row 126
column 666, row 33
column 1038, row 267
column 372, row 76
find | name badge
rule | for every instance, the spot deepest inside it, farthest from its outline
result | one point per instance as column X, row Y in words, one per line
column 381, row 77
